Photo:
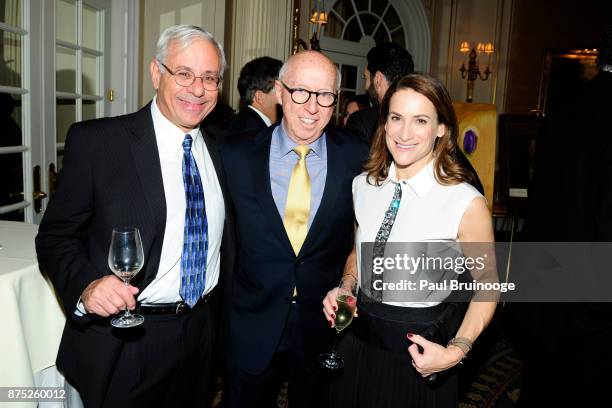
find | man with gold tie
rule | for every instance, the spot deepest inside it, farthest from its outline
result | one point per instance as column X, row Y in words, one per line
column 290, row 186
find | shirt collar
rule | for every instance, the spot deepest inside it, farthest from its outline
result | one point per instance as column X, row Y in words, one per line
column 286, row 144
column 172, row 135
column 420, row 183
column 262, row 115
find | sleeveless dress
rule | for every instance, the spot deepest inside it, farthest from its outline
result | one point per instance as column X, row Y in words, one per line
column 378, row 370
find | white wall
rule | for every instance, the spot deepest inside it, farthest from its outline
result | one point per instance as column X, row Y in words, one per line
column 474, row 21
column 259, row 28
column 157, row 15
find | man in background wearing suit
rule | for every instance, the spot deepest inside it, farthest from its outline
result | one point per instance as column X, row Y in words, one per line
column 291, row 189
column 388, row 63
column 131, row 171
column 259, row 106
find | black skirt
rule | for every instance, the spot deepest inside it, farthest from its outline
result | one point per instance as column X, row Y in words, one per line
column 378, row 371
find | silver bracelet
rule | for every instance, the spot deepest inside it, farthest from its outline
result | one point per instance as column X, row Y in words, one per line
column 462, row 343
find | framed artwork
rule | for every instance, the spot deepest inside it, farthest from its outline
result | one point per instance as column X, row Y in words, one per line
column 519, row 136
column 478, row 139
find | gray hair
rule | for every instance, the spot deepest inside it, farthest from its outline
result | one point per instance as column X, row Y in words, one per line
column 283, row 71
column 185, row 34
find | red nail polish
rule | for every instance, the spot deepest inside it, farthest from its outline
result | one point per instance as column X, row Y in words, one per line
column 335, row 307
column 410, row 335
column 333, row 316
column 331, row 324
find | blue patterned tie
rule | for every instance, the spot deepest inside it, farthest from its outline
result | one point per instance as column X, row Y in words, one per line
column 384, row 231
column 195, row 240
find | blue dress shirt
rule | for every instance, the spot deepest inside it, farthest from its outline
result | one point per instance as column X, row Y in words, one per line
column 282, row 161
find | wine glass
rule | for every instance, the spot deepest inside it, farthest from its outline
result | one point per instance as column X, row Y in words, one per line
column 347, row 303
column 125, row 259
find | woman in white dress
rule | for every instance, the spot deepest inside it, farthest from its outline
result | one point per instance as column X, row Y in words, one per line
column 411, row 191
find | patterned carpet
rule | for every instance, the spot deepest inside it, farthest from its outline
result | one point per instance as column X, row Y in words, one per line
column 496, row 384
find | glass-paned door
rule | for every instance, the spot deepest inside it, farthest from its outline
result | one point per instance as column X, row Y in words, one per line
column 80, row 60
column 14, row 148
column 352, row 68
column 54, row 67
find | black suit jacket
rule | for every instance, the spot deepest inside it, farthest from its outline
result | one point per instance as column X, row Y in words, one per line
column 246, row 121
column 267, row 269
column 111, row 176
column 364, row 123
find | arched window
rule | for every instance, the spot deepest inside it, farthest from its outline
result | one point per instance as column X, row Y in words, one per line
column 351, row 20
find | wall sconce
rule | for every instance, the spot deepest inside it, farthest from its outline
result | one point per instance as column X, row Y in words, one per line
column 472, row 72
column 317, row 20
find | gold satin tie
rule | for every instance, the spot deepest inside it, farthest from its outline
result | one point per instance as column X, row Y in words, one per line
column 297, row 208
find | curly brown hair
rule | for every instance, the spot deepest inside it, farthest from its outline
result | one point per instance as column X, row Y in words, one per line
column 447, row 170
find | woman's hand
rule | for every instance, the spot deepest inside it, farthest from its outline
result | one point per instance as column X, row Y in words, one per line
column 330, row 305
column 434, row 358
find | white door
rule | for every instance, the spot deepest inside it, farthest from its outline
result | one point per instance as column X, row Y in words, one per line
column 14, row 109
column 55, row 72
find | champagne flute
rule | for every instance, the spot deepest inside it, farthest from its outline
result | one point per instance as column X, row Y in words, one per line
column 125, row 259
column 347, row 303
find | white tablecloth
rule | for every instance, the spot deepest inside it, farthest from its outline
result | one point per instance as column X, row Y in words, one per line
column 31, row 319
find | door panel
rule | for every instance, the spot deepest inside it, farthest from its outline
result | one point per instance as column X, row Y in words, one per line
column 13, row 147
column 352, row 68
column 54, row 72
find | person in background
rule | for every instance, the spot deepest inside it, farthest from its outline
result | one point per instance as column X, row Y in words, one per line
column 354, row 104
column 259, row 107
column 386, row 64
column 158, row 171
column 412, row 191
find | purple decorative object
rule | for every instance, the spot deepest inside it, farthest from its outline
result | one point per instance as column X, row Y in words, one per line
column 470, row 141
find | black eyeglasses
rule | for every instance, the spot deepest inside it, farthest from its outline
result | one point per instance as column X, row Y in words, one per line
column 184, row 77
column 301, row 96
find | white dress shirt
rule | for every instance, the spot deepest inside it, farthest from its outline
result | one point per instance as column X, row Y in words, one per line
column 428, row 212
column 165, row 287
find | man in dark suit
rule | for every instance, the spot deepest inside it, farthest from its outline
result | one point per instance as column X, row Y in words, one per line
column 130, row 171
column 291, row 189
column 257, row 98
column 388, row 63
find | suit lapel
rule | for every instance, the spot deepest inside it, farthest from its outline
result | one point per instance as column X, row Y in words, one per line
column 143, row 145
column 255, row 117
column 333, row 182
column 212, row 145
column 260, row 179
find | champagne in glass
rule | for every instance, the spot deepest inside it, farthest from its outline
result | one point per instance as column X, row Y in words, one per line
column 125, row 259
column 345, row 312
column 347, row 303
